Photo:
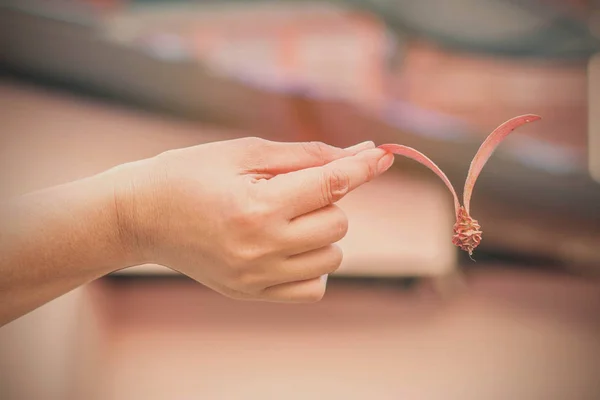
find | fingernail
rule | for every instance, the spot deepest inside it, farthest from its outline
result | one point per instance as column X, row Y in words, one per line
column 324, row 279
column 385, row 163
column 360, row 147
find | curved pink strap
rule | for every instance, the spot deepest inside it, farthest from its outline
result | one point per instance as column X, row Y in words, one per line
column 487, row 148
column 423, row 159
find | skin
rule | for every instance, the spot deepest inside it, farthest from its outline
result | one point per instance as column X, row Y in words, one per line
column 251, row 219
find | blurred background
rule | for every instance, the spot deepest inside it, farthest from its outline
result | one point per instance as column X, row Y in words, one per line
column 89, row 84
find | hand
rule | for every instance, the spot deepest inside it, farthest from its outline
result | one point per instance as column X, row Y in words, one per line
column 249, row 218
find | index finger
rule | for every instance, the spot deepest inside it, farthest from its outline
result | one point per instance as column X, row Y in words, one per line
column 273, row 158
column 307, row 190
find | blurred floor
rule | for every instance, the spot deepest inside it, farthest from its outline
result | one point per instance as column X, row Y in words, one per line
column 512, row 334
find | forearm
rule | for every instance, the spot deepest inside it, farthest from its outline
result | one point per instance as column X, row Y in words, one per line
column 54, row 240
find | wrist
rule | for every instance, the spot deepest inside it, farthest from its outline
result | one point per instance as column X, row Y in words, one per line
column 100, row 214
column 135, row 210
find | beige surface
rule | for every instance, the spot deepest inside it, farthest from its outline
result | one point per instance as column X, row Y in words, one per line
column 399, row 225
column 513, row 335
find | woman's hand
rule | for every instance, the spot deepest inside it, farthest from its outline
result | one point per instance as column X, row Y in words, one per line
column 249, row 218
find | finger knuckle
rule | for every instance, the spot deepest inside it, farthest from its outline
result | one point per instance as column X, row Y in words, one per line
column 253, row 152
column 252, row 141
column 336, row 184
column 341, row 224
column 249, row 214
column 316, row 149
column 242, row 277
column 336, row 256
column 249, row 255
column 315, row 295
